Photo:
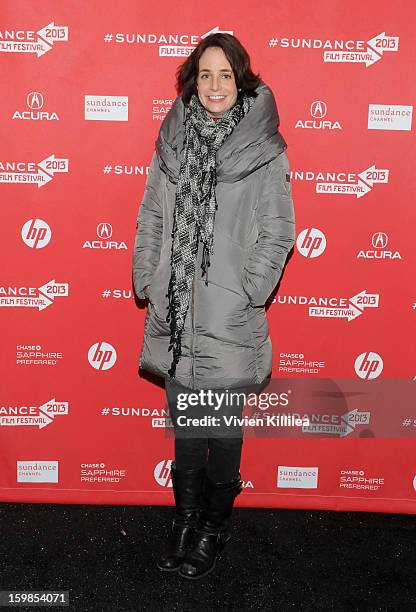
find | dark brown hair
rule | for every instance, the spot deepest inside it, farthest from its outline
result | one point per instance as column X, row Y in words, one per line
column 235, row 53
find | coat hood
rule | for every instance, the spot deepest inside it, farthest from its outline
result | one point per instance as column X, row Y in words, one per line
column 255, row 141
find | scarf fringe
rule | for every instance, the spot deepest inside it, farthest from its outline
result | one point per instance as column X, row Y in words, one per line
column 175, row 344
column 206, row 262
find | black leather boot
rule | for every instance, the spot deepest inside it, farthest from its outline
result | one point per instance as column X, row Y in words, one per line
column 187, row 490
column 212, row 530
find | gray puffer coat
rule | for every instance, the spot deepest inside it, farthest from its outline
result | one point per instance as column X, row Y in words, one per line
column 225, row 342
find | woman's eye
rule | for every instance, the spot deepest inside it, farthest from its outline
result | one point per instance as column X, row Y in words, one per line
column 226, row 76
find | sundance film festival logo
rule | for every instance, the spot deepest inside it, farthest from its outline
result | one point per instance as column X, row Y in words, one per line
column 32, row 172
column 36, row 233
column 126, row 169
column 32, row 416
column 170, row 45
column 348, row 308
column 159, row 416
column 333, row 307
column 318, row 111
column 34, row 101
column 368, row 365
column 161, row 473
column 338, row 425
column 379, row 241
column 32, row 297
column 343, row 51
column 104, row 233
column 124, row 294
column 344, row 183
column 31, row 41
column 102, row 356
column 311, row 243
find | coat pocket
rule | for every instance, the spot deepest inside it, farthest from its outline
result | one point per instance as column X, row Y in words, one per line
column 158, row 287
column 157, row 326
column 152, row 301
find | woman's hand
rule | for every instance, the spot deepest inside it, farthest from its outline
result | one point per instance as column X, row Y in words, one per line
column 146, row 292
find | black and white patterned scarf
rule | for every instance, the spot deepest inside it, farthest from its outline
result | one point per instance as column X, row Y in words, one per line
column 195, row 206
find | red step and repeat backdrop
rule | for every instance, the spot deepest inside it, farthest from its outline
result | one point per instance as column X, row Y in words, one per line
column 85, row 87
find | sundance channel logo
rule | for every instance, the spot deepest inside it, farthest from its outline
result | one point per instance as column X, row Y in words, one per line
column 106, row 108
column 37, row 471
column 290, row 477
column 389, row 117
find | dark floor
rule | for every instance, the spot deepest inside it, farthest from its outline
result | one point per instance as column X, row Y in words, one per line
column 278, row 560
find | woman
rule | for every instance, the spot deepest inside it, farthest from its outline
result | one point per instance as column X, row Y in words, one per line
column 214, row 229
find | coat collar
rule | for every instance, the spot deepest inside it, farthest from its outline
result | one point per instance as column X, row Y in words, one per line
column 255, row 141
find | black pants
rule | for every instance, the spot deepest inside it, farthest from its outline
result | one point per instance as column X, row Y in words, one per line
column 222, row 462
column 221, row 455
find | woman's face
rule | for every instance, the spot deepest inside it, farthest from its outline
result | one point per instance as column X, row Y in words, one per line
column 217, row 90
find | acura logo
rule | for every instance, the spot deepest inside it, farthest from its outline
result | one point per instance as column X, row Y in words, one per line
column 104, row 231
column 34, row 100
column 379, row 240
column 318, row 109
